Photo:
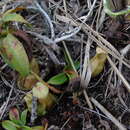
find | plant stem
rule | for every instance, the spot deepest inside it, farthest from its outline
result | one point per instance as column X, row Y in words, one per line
column 107, row 9
column 46, row 84
column 47, row 17
column 72, row 64
column 69, row 57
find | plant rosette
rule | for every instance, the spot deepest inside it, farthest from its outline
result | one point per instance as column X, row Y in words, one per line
column 17, row 121
column 65, row 76
column 45, row 99
column 11, row 49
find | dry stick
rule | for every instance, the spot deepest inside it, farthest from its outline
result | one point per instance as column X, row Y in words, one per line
column 65, row 123
column 53, row 41
column 85, row 79
column 48, row 19
column 90, row 11
column 84, row 91
column 87, row 99
column 96, row 37
column 53, row 56
column 124, row 51
column 95, row 112
column 65, row 6
column 83, row 76
column 107, row 46
column 2, row 107
column 108, row 84
column 86, row 28
column 119, row 74
column 109, row 49
column 5, row 2
column 76, row 30
column 70, row 34
column 50, row 41
column 108, row 114
column 34, row 109
column 104, row 44
column 86, row 64
column 8, row 84
column 72, row 64
column 81, row 54
column 100, row 17
column 100, row 41
column 89, row 3
column 10, row 93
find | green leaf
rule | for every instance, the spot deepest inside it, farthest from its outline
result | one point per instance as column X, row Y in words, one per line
column 41, row 109
column 38, row 128
column 77, row 65
column 14, row 114
column 26, row 128
column 14, row 54
column 13, row 10
column 18, row 122
column 24, row 116
column 11, row 17
column 69, row 67
column 58, row 79
column 110, row 12
column 67, row 59
column 9, row 125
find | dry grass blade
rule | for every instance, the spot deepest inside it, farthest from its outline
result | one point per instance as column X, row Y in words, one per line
column 65, row 6
column 100, row 18
column 5, row 2
column 86, row 65
column 111, row 117
column 47, row 17
column 65, row 32
column 95, row 36
column 119, row 74
column 8, row 99
column 34, row 109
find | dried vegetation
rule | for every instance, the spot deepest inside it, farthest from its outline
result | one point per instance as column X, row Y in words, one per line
column 92, row 95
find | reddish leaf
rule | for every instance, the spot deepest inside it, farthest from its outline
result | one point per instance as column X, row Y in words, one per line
column 14, row 114
column 14, row 54
column 23, row 36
